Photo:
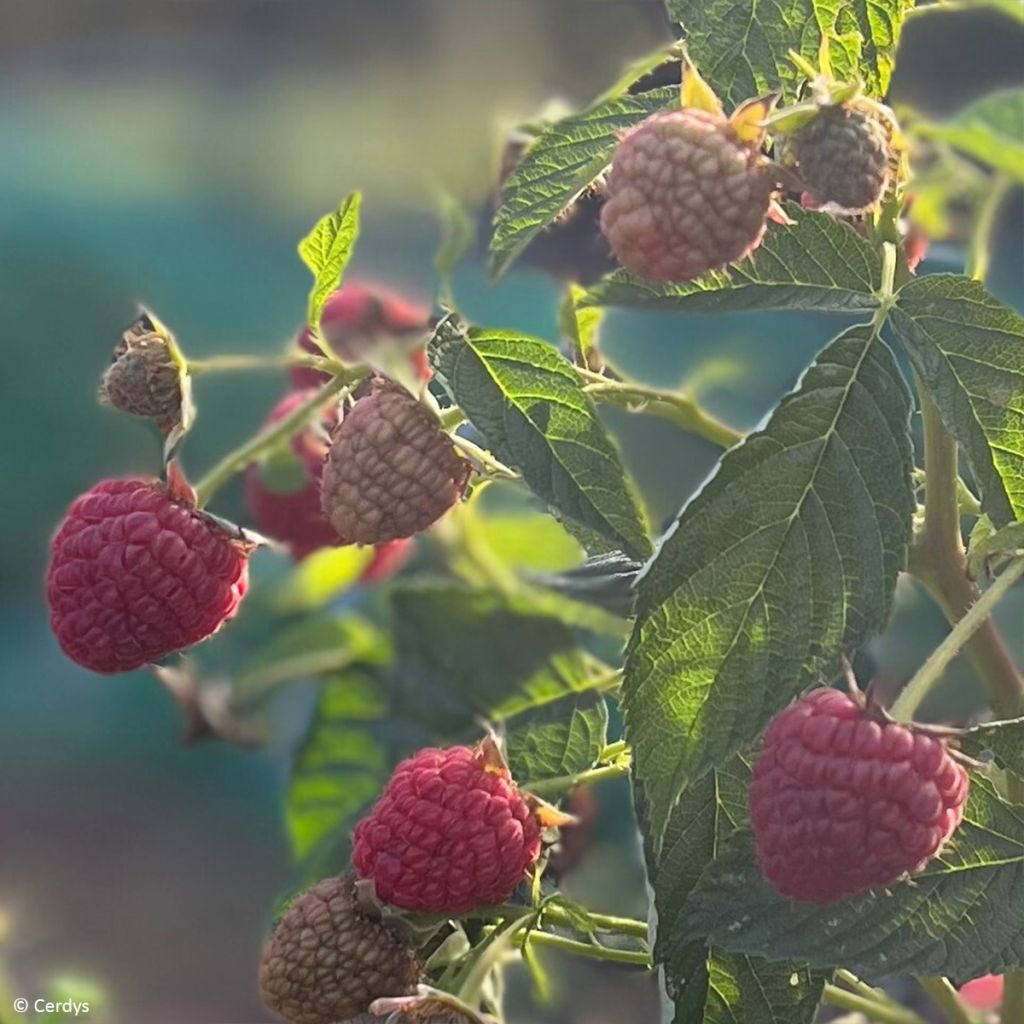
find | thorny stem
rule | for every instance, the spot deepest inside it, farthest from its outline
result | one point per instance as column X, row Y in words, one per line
column 235, row 461
column 977, row 615
column 587, row 949
column 945, row 997
column 882, row 1013
column 564, row 783
column 681, row 410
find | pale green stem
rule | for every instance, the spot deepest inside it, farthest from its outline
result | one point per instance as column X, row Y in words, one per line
column 231, row 363
column 451, row 417
column 979, row 252
column 614, row 750
column 593, row 952
column 881, row 1013
column 931, row 671
column 945, row 997
column 862, row 987
column 565, row 783
column 555, row 915
column 684, row 412
column 265, row 441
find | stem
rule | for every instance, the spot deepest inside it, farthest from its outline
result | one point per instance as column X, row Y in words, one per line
column 451, row 417
column 254, row 687
column 564, row 783
column 555, row 915
column 1013, row 996
column 614, row 750
column 883, row 1013
column 945, row 997
column 931, row 671
column 619, row 956
column 684, row 412
column 266, row 440
column 230, row 363
column 979, row 251
column 862, row 987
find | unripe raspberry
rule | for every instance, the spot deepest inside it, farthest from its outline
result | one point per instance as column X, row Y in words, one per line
column 844, row 801
column 137, row 573
column 685, row 195
column 450, row 832
column 355, row 319
column 147, row 377
column 391, row 471
column 844, row 156
column 328, row 959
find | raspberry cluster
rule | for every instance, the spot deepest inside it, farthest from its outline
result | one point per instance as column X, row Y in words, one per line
column 842, row 801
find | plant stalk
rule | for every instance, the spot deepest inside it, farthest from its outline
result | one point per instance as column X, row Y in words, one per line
column 882, row 1013
column 587, row 949
column 945, row 997
column 565, row 783
column 231, row 363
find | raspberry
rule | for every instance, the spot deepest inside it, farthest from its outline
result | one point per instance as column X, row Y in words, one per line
column 391, row 471
column 685, row 195
column 842, row 802
column 328, row 959
column 388, row 559
column 147, row 377
column 450, row 832
column 354, row 319
column 844, row 156
column 283, row 493
column 137, row 573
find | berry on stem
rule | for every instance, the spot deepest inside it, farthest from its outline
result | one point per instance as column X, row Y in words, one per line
column 392, row 471
column 137, row 572
column 451, row 832
column 843, row 800
column 328, row 959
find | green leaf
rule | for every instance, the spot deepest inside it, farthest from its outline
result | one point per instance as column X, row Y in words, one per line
column 962, row 916
column 968, row 348
column 343, row 761
column 321, row 577
column 991, row 130
column 816, row 263
column 711, row 985
column 742, row 46
column 605, row 581
column 786, row 558
column 556, row 739
column 526, row 400
column 1004, row 740
column 988, row 543
column 579, row 325
column 470, row 654
column 559, row 164
column 326, row 251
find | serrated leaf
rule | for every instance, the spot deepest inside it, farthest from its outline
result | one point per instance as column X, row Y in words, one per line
column 991, row 130
column 559, row 164
column 987, row 544
column 963, row 916
column 817, row 262
column 561, row 738
column 787, row 557
column 321, row 577
column 526, row 400
column 342, row 762
column 708, row 984
column 472, row 654
column 607, row 581
column 1004, row 740
column 327, row 249
column 968, row 348
column 742, row 47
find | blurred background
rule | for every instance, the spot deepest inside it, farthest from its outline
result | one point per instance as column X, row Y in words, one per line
column 173, row 153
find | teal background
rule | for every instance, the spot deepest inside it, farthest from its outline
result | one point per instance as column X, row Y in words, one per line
column 174, row 153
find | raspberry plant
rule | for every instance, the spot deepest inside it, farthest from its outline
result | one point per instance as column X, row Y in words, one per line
column 801, row 845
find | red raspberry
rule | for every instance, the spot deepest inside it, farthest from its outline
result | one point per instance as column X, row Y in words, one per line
column 355, row 318
column 392, row 471
column 842, row 802
column 450, row 832
column 328, row 959
column 685, row 195
column 388, row 559
column 137, row 573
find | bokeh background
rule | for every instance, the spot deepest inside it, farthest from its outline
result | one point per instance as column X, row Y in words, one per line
column 174, row 153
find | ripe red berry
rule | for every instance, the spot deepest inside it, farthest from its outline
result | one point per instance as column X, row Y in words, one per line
column 391, row 471
column 328, row 959
column 685, row 195
column 137, row 573
column 357, row 317
column 842, row 801
column 450, row 832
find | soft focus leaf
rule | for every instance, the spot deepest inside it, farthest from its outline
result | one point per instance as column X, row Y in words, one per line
column 526, row 400
column 787, row 557
column 327, row 249
column 742, row 47
column 1004, row 740
column 968, row 348
column 607, row 581
column 988, row 543
column 963, row 916
column 563, row 737
column 816, row 263
column 530, row 540
column 321, row 577
column 991, row 130
column 559, row 164
column 579, row 325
